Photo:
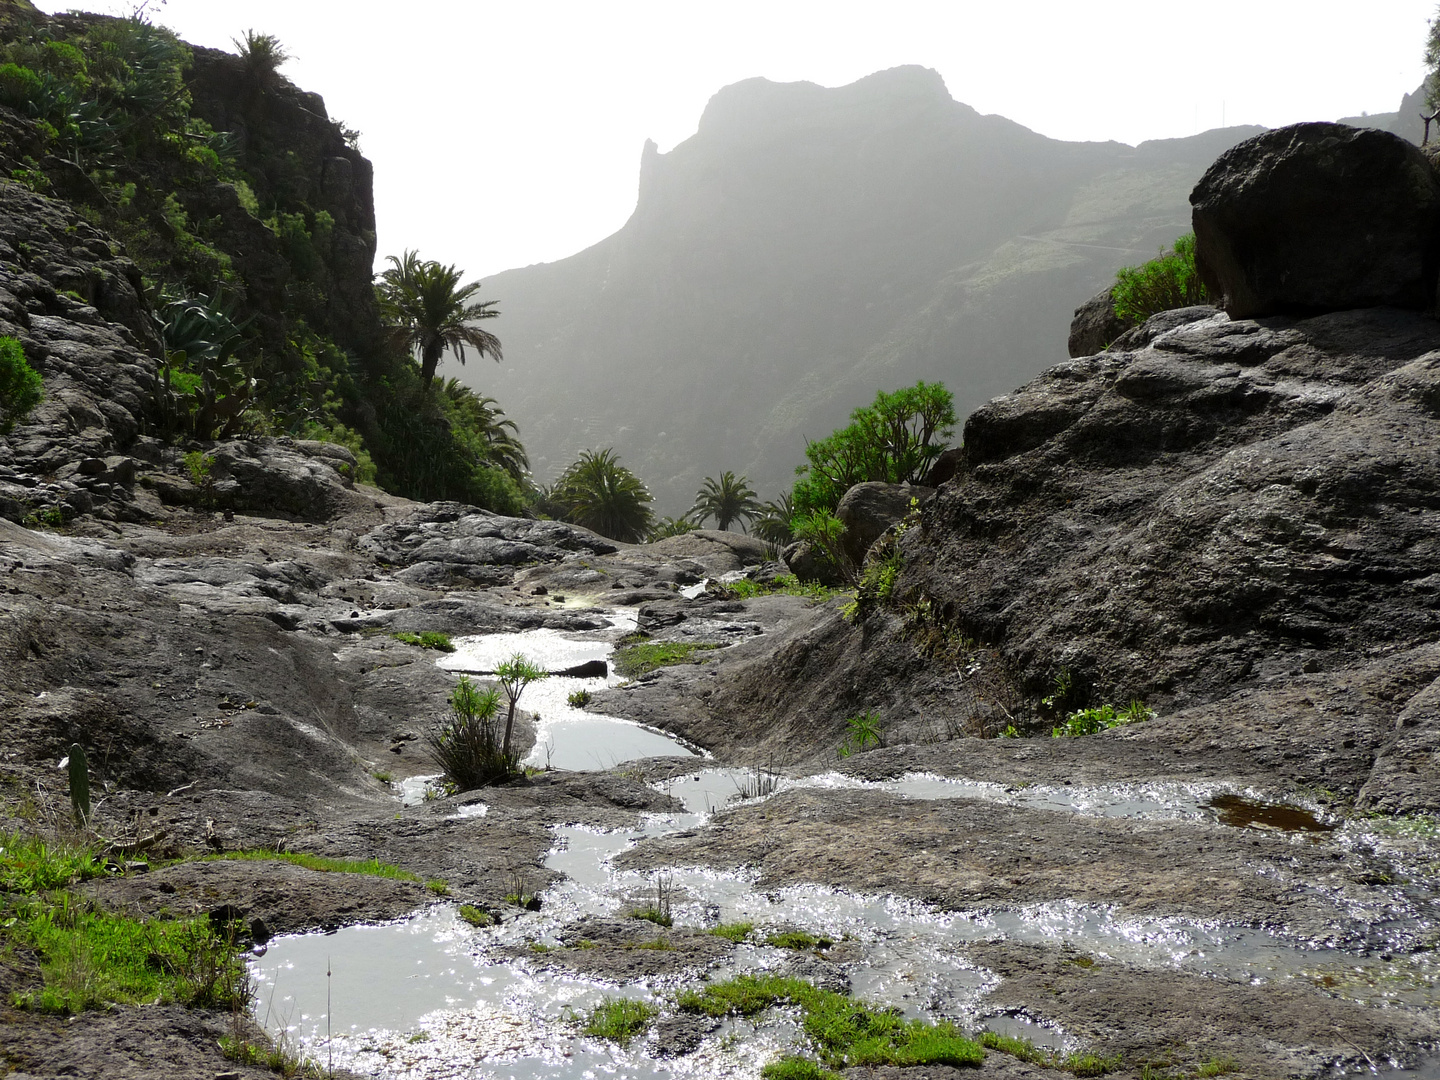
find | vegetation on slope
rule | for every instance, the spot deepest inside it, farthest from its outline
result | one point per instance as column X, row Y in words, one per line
column 249, row 216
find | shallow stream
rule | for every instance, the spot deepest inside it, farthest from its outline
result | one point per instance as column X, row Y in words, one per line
column 435, row 997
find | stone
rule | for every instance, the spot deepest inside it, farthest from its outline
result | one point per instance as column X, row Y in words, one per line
column 1095, row 325
column 1318, row 217
column 868, row 509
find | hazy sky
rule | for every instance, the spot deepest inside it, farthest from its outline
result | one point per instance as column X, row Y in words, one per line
column 510, row 133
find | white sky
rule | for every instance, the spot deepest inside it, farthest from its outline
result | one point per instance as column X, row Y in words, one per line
column 506, row 133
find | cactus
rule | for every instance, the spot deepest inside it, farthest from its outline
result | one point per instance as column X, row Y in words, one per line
column 79, row 785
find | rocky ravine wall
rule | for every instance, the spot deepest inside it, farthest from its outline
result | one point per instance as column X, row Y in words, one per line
column 1233, row 519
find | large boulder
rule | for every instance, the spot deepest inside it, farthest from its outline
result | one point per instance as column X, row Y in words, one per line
column 1095, row 325
column 1318, row 217
column 867, row 510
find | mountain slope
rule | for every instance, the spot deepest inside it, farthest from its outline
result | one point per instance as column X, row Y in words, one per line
column 808, row 246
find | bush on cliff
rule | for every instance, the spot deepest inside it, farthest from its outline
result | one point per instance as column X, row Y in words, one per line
column 20, row 388
column 1166, row 282
column 895, row 439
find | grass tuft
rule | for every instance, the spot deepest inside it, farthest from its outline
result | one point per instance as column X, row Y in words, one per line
column 430, row 639
column 798, row 939
column 735, row 931
column 619, row 1019
column 842, row 1031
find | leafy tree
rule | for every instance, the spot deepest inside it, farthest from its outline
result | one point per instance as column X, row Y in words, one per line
column 894, row 439
column 1166, row 282
column 1432, row 62
column 263, row 56
column 514, row 675
column 727, row 500
column 601, row 494
column 432, row 313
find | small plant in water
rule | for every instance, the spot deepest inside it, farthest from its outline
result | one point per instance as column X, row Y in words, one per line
column 515, row 675
column 467, row 748
column 658, row 912
column 475, row 916
column 735, row 931
column 578, row 699
column 865, row 729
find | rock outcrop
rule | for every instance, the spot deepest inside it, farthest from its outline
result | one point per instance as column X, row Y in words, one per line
column 1095, row 325
column 1318, row 217
column 867, row 510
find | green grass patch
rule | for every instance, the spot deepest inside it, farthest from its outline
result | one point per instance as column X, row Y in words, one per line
column 798, row 939
column 279, row 1058
column 842, row 1031
column 647, row 656
column 618, row 1019
column 91, row 958
column 796, row 1068
column 370, row 867
column 658, row 916
column 430, row 639
column 1217, row 1067
column 578, row 699
column 660, row 944
column 30, row 865
column 735, row 931
column 438, row 886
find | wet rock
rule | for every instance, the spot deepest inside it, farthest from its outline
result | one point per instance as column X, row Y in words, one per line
column 1318, row 217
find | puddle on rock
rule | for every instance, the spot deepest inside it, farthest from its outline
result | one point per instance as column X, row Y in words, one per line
column 567, row 737
column 1242, row 813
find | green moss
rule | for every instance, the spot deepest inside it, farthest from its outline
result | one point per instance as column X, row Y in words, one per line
column 658, row 916
column 638, row 659
column 796, row 1068
column 1080, row 1064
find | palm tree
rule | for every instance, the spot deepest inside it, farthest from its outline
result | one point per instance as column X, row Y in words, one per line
column 431, row 311
column 727, row 500
column 772, row 524
column 601, row 494
column 481, row 419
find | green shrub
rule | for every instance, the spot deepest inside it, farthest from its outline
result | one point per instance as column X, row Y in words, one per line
column 20, row 386
column 894, row 439
column 826, row 534
column 578, row 699
column 864, row 729
column 468, row 747
column 1090, row 721
column 1165, row 282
